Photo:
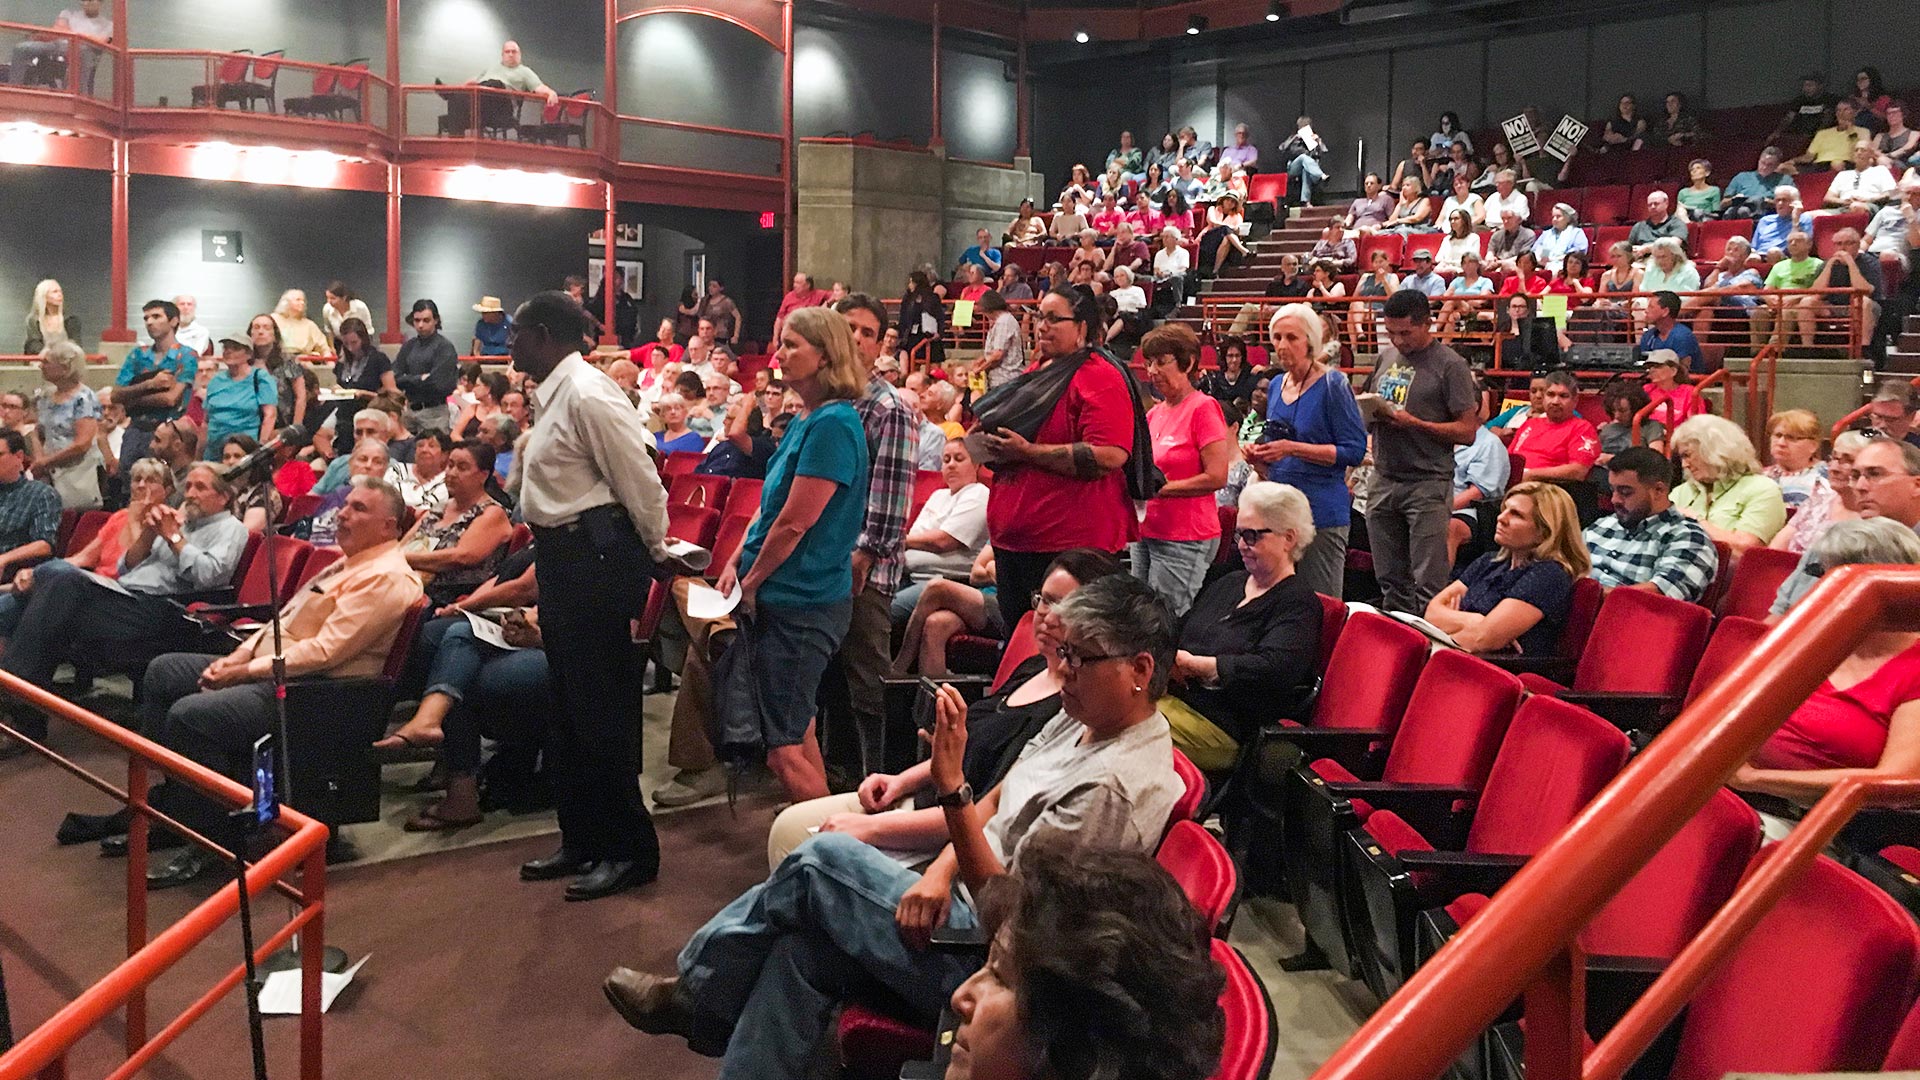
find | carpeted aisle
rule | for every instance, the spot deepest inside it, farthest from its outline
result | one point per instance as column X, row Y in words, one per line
column 474, row 975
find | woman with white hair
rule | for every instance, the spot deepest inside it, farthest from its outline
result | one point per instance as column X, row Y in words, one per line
column 1668, row 269
column 1170, row 265
column 48, row 321
column 1725, row 491
column 1831, row 500
column 62, row 442
column 1864, row 720
column 299, row 335
column 1251, row 642
column 1313, row 435
column 1562, row 238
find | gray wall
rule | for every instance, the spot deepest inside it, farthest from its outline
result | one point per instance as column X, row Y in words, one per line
column 702, row 71
column 454, row 40
column 455, row 252
column 71, row 248
column 1389, row 83
column 876, row 75
column 736, row 250
column 291, row 238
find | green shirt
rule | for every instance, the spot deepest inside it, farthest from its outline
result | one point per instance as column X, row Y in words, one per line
column 1793, row 273
column 519, row 78
column 1701, row 204
column 1752, row 504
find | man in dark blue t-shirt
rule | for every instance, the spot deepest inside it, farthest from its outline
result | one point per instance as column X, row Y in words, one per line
column 1664, row 332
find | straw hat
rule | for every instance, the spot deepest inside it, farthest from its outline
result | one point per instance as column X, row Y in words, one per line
column 489, row 305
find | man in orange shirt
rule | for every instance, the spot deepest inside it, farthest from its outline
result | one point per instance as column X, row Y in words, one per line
column 342, row 624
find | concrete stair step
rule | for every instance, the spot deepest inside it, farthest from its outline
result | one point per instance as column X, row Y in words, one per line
column 1910, row 341
column 1903, row 362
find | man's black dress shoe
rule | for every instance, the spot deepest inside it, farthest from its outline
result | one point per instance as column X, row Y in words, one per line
column 562, row 863
column 86, row 828
column 185, row 868
column 612, row 876
column 115, row 847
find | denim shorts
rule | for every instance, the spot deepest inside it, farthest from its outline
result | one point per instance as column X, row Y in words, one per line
column 790, row 648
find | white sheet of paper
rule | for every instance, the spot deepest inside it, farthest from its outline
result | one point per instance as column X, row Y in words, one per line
column 489, row 631
column 107, row 582
column 706, row 603
column 280, row 994
column 692, row 554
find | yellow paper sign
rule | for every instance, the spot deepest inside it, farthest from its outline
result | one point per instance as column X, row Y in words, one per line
column 963, row 313
column 1554, row 306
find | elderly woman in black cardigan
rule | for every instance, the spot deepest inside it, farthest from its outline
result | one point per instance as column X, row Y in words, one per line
column 1251, row 642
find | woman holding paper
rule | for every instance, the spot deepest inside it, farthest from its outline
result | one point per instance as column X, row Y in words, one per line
column 1515, row 598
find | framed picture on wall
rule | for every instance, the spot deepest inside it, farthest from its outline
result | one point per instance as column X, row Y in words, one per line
column 627, row 235
column 596, row 275
column 632, row 275
column 697, row 272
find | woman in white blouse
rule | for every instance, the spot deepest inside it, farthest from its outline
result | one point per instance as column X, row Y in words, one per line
column 1461, row 241
column 1170, row 265
column 1464, row 199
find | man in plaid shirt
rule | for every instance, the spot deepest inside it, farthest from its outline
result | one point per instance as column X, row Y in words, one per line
column 879, row 555
column 1645, row 543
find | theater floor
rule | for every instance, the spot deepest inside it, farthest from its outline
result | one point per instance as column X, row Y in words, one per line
column 473, row 974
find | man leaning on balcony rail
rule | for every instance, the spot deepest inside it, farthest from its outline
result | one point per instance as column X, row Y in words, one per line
column 88, row 19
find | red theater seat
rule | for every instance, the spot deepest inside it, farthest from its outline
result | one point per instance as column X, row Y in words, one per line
column 1710, row 237
column 1637, row 662
column 1608, row 204
column 1755, row 582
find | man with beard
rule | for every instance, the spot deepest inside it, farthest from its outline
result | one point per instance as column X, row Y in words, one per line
column 73, row 613
column 1645, row 543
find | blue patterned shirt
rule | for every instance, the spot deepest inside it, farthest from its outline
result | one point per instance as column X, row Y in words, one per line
column 179, row 360
column 893, row 445
column 29, row 511
column 1669, row 549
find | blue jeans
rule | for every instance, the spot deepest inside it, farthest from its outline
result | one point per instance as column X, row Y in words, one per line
column 14, row 604
column 777, row 961
column 1305, row 171
column 509, row 698
column 1175, row 569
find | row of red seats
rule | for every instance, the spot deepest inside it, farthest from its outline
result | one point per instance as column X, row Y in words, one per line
column 1620, row 204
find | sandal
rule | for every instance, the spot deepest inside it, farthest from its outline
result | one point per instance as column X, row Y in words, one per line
column 400, row 741
column 429, row 821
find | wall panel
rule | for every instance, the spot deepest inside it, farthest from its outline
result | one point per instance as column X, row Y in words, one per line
column 43, row 238
column 1266, row 99
column 1428, row 82
column 1348, row 103
column 854, row 79
column 1546, row 69
column 977, row 109
column 1620, row 63
column 563, row 41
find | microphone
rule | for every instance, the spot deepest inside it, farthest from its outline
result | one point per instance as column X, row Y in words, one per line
column 292, row 434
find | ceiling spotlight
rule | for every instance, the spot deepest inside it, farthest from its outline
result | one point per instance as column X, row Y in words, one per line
column 1081, row 36
column 1196, row 23
column 1273, row 11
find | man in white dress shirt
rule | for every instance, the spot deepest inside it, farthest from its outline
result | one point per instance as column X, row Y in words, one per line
column 599, row 515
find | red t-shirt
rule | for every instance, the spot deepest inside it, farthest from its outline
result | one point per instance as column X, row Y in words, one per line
column 1104, row 221
column 1179, row 431
column 1032, row 509
column 1686, row 403
column 1547, row 445
column 1844, row 729
column 639, row 355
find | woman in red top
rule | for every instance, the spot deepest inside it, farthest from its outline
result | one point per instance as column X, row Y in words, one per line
column 1065, row 488
column 1864, row 720
column 1527, row 277
column 1193, row 447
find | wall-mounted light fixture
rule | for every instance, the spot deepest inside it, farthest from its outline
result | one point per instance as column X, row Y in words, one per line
column 1196, row 23
column 1273, row 10
column 1081, row 36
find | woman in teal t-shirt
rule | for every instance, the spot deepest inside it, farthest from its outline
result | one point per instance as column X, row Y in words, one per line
column 795, row 568
column 240, row 399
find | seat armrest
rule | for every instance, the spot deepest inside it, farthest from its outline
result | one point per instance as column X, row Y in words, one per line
column 1627, row 711
column 1429, row 808
column 1558, row 668
column 1464, row 871
column 205, row 596
column 1353, row 748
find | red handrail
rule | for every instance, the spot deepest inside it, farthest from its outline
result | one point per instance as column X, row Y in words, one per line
column 1851, row 418
column 42, row 1052
column 703, row 129
column 1521, row 943
column 368, row 74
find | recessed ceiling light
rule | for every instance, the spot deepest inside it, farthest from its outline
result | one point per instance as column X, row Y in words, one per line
column 1081, row 36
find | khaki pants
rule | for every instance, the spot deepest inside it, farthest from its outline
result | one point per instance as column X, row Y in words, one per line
column 797, row 822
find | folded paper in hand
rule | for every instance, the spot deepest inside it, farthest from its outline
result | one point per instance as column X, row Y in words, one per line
column 693, row 555
column 706, row 603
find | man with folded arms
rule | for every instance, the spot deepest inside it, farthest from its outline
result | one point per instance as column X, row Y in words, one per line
column 72, row 613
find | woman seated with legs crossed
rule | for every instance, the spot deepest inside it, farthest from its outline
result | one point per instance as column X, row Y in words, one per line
column 760, row 982
column 945, row 608
column 998, row 728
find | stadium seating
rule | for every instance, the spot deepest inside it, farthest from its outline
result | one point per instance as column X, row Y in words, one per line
column 1642, row 687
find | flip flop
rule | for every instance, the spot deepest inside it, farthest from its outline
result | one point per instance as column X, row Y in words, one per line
column 428, row 821
column 408, row 743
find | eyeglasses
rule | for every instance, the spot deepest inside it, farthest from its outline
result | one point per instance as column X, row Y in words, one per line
column 1040, row 601
column 1051, row 319
column 1251, row 537
column 1075, row 660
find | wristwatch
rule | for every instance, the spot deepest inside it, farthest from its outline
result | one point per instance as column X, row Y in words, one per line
column 960, row 796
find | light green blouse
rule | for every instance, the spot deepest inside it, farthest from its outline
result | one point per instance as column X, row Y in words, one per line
column 1751, row 504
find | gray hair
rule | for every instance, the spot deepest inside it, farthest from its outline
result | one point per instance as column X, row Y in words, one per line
column 1721, row 446
column 1787, row 189
column 503, row 425
column 1120, row 616
column 1865, row 540
column 943, row 394
column 151, row 468
column 1850, row 442
column 1573, row 216
column 1506, row 174
column 373, row 414
column 374, row 444
column 396, row 503
column 1282, row 508
column 1670, row 245
column 216, row 476
column 67, row 356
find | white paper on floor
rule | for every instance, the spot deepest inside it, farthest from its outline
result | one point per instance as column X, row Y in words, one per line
column 280, row 994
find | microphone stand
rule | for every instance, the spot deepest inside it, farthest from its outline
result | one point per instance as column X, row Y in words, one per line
column 335, row 959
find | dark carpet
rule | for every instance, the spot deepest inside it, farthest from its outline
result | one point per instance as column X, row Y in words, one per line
column 474, row 974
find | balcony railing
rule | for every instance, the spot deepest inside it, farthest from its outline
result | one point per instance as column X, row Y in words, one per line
column 480, row 115
column 265, row 83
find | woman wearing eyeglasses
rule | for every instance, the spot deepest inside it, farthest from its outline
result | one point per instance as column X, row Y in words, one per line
column 1065, row 485
column 1101, row 772
column 998, row 726
column 1251, row 641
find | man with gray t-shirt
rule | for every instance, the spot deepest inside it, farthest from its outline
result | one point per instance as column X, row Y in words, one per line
column 1434, row 409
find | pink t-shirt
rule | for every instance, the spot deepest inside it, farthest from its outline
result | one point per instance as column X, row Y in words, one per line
column 1844, row 729
column 1179, row 431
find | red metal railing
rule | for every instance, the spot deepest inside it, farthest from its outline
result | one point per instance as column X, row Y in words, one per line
column 369, row 90
column 42, row 1052
column 1522, row 943
column 94, row 54
column 1860, row 413
column 518, row 117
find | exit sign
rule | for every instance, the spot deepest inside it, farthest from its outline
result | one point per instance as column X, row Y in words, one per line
column 766, row 219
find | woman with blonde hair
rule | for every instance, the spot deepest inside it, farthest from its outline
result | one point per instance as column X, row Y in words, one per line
column 1831, row 500
column 299, row 335
column 1793, row 444
column 1312, row 436
column 1516, row 596
column 48, row 321
column 794, row 571
column 1725, row 491
column 62, row 440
